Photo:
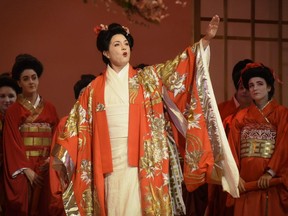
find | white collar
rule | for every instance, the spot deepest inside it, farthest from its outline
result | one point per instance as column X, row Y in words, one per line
column 38, row 99
column 121, row 73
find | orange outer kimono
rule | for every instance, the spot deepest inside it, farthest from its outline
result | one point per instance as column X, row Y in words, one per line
column 253, row 161
column 84, row 146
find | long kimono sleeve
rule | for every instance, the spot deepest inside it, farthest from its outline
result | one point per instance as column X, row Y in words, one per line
column 14, row 149
column 234, row 136
column 73, row 154
column 278, row 161
column 193, row 109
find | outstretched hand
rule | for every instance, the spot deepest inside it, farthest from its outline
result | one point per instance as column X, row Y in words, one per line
column 212, row 27
column 211, row 30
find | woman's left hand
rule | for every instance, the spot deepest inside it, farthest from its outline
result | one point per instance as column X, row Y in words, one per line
column 211, row 30
column 264, row 181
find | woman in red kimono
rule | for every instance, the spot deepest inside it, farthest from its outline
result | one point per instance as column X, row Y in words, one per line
column 8, row 95
column 115, row 153
column 29, row 125
column 259, row 135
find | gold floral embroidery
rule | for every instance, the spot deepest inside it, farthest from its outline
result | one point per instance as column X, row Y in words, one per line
column 194, row 152
column 151, row 165
column 77, row 117
column 90, row 202
column 175, row 83
column 172, row 78
column 194, row 47
column 151, row 162
column 71, row 123
column 85, row 174
column 100, row 107
column 85, row 170
column 159, row 202
column 149, row 80
column 183, row 56
column 133, row 88
column 192, row 117
column 90, row 102
column 87, row 202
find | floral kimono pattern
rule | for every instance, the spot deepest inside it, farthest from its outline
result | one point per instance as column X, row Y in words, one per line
column 183, row 86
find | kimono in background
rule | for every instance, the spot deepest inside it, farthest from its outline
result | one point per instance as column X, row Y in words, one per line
column 84, row 147
column 27, row 138
column 228, row 108
column 260, row 141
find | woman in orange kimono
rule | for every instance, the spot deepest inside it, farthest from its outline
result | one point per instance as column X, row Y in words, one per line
column 259, row 135
column 8, row 95
column 115, row 154
column 28, row 129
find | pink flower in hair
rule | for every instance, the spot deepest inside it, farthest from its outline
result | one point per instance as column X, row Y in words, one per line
column 100, row 28
column 126, row 29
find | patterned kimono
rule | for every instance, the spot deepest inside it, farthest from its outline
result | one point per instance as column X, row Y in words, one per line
column 260, row 141
column 27, row 138
column 183, row 85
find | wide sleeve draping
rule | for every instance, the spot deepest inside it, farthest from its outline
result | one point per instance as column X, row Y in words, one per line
column 193, row 110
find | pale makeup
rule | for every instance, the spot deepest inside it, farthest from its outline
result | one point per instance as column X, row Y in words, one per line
column 259, row 90
column 118, row 52
column 29, row 82
column 7, row 97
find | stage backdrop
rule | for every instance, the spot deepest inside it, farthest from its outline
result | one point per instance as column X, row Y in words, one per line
column 60, row 33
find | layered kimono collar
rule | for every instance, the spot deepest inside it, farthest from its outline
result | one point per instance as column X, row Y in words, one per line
column 37, row 101
column 237, row 104
column 121, row 73
column 20, row 97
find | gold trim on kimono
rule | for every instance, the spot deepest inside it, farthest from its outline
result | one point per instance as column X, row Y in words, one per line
column 37, row 153
column 37, row 141
column 257, row 148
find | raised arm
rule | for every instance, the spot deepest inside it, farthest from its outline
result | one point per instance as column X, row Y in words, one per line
column 211, row 30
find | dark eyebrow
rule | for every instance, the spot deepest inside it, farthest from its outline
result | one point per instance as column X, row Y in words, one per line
column 118, row 41
column 26, row 76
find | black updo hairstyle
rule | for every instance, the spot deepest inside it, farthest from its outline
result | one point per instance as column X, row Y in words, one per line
column 26, row 61
column 7, row 81
column 82, row 83
column 236, row 73
column 104, row 38
column 258, row 70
